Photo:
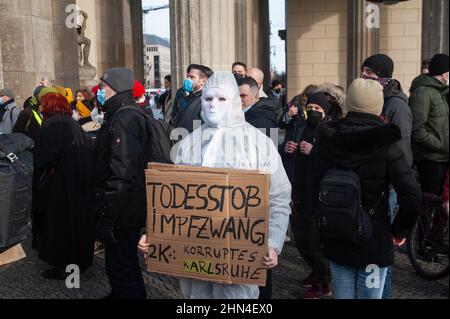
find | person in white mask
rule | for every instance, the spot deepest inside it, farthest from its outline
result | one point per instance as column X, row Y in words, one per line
column 227, row 141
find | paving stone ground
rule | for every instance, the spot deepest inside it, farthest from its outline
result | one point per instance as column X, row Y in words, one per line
column 22, row 280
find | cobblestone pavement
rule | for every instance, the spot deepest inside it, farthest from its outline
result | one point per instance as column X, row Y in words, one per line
column 22, row 280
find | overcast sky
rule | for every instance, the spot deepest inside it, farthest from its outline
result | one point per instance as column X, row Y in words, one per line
column 158, row 22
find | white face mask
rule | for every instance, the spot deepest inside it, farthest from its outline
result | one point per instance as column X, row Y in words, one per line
column 216, row 106
column 447, row 80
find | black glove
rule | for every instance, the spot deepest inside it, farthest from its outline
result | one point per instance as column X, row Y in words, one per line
column 104, row 231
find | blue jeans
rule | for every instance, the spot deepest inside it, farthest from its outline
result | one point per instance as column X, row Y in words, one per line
column 357, row 283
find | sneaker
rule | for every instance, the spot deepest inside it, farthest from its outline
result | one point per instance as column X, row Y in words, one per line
column 308, row 282
column 317, row 291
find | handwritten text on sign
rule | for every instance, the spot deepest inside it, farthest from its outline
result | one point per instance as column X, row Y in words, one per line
column 208, row 224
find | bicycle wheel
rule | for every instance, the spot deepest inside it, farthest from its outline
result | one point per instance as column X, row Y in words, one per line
column 428, row 252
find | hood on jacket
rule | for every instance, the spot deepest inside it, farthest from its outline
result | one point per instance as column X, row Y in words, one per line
column 355, row 139
column 394, row 89
column 335, row 92
column 226, row 82
column 428, row 81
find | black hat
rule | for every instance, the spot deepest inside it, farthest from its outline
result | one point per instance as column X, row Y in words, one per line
column 381, row 64
column 439, row 64
column 119, row 79
column 320, row 99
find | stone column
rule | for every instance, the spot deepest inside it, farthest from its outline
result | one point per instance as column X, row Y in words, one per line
column 27, row 44
column 434, row 28
column 362, row 41
column 1, row 67
column 253, row 34
column 202, row 32
column 114, row 34
column 138, row 39
column 65, row 47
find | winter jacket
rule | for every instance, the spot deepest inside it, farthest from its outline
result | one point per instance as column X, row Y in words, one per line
column 121, row 150
column 430, row 119
column 363, row 143
column 336, row 97
column 9, row 112
column 189, row 110
column 398, row 112
column 29, row 123
column 263, row 115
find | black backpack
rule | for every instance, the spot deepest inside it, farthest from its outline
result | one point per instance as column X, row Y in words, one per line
column 341, row 216
column 16, row 177
column 159, row 131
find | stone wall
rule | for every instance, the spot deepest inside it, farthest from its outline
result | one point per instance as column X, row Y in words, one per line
column 316, row 43
column 401, row 39
column 27, row 44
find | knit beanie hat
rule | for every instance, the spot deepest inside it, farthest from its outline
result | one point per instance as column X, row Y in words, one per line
column 365, row 96
column 119, row 79
column 138, row 89
column 47, row 90
column 439, row 64
column 320, row 99
column 381, row 64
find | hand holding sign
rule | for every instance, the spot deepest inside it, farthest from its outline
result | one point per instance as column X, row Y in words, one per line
column 271, row 261
column 144, row 246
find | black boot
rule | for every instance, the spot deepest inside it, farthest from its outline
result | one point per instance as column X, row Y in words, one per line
column 55, row 274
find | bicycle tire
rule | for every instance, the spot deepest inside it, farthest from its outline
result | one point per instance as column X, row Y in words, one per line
column 431, row 276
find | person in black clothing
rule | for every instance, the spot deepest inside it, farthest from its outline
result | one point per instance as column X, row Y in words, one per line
column 363, row 142
column 167, row 96
column 121, row 153
column 306, row 170
column 260, row 113
column 65, row 154
column 188, row 107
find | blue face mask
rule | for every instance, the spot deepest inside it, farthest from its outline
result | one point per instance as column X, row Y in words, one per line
column 101, row 97
column 188, row 86
column 1, row 101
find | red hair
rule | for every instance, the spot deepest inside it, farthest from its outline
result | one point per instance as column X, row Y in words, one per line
column 55, row 104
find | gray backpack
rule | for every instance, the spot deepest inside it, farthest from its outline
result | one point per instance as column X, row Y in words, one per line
column 16, row 178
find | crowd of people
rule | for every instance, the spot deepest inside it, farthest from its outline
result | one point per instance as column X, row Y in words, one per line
column 91, row 151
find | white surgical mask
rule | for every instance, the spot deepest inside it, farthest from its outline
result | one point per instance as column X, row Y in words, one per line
column 215, row 106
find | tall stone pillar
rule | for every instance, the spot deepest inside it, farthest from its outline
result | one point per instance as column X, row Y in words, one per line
column 114, row 34
column 65, row 48
column 434, row 28
column 1, row 67
column 138, row 39
column 362, row 41
column 253, row 34
column 202, row 32
column 27, row 35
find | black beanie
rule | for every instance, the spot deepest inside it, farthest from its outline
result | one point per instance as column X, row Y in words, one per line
column 119, row 79
column 439, row 64
column 381, row 64
column 320, row 99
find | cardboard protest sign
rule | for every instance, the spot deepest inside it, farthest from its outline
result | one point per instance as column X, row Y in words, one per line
column 208, row 224
column 12, row 255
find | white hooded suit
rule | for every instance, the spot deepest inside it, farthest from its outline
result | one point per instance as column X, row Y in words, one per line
column 233, row 143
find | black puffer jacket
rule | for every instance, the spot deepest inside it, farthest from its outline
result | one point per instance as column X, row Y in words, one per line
column 364, row 143
column 120, row 161
column 263, row 115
